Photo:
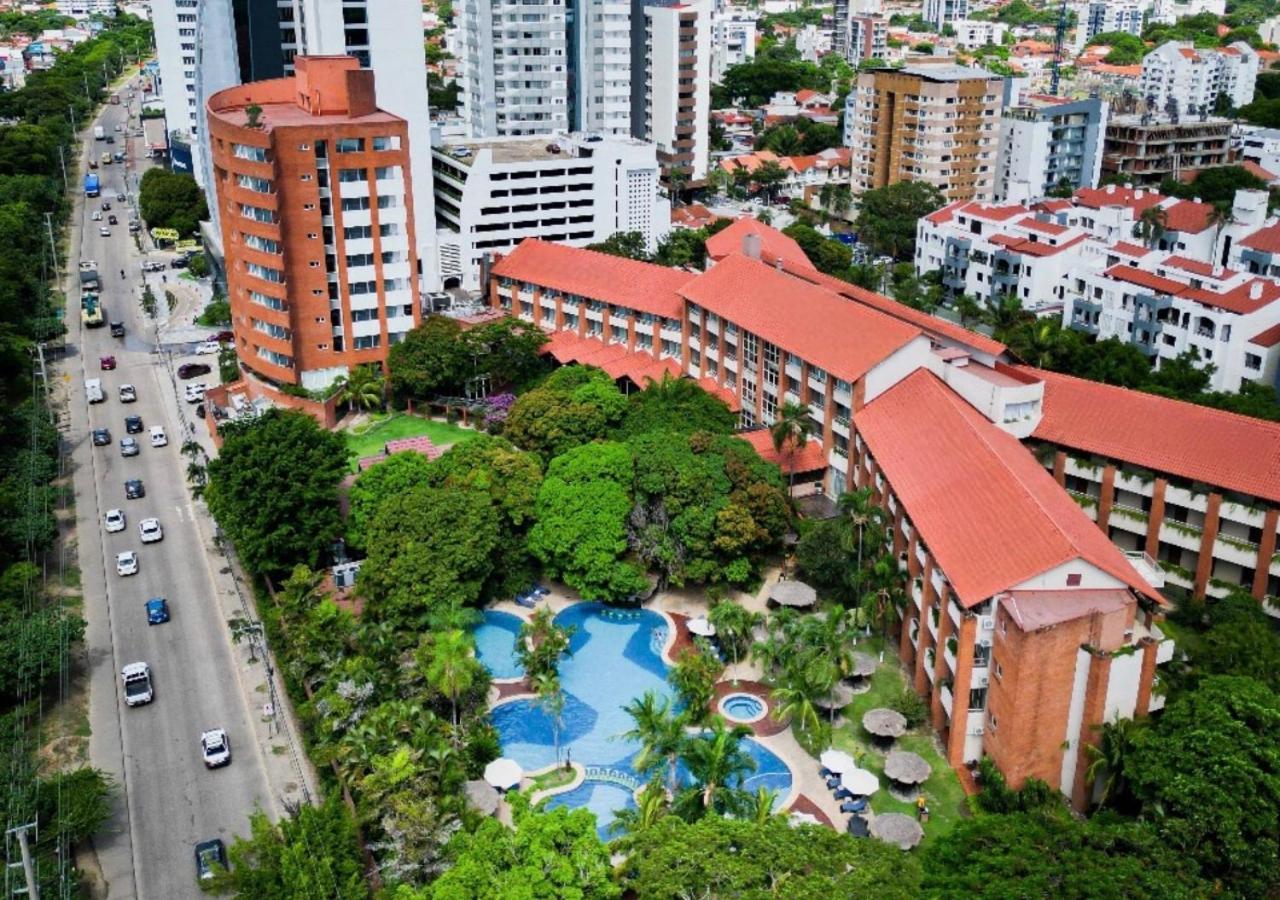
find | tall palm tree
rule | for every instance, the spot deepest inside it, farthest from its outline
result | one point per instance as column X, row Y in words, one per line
column 1152, row 224
column 1108, row 757
column 717, row 762
column 734, row 625
column 1004, row 315
column 795, row 701
column 1218, row 219
column 660, row 733
column 652, row 806
column 841, row 199
column 791, row 429
column 550, row 694
column 363, row 388
column 450, row 665
column 759, row 808
column 862, row 514
column 885, row 592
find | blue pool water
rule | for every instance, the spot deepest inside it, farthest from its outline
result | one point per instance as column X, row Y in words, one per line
column 742, row 707
column 496, row 643
column 616, row 656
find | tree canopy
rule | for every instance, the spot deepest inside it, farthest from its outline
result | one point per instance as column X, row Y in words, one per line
column 827, row 255
column 296, row 517
column 675, row 404
column 574, row 405
column 753, row 83
column 171, row 200
column 375, row 485
column 440, row 357
column 887, row 217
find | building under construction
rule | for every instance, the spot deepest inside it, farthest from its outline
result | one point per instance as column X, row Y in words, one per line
column 1147, row 149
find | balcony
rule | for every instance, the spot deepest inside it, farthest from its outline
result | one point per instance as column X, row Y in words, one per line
column 1181, row 534
column 1129, row 518
column 1083, row 468
column 1242, row 513
column 1146, row 567
column 953, row 611
column 1232, row 548
column 917, row 592
column 947, row 700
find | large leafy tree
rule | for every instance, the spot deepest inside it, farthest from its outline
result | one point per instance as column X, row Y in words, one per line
column 441, row 357
column 428, row 359
column 576, row 404
column 553, row 853
column 376, row 484
column 1207, row 773
column 274, row 489
column 1228, row 636
column 826, row 254
column 171, row 200
column 675, row 404
column 431, row 551
column 887, row 216
column 722, row 857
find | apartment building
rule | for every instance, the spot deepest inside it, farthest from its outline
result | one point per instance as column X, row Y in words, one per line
column 1178, row 77
column 733, row 38
column 972, row 34
column 1009, row 579
column 934, row 122
column 316, row 201
column 1168, row 12
column 867, row 37
column 1101, row 17
column 176, row 24
column 676, row 88
column 1046, row 143
column 80, row 9
column 940, row 13
column 574, row 189
column 1148, row 149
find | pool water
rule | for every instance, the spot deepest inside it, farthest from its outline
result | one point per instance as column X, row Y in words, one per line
column 616, row 657
column 496, row 643
column 742, row 708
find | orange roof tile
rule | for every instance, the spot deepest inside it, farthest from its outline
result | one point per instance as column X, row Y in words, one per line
column 774, row 245
column 1187, row 215
column 846, row 339
column 1196, row 267
column 1047, row 227
column 1117, row 195
column 598, row 276
column 1257, row 171
column 1243, row 299
column 1219, row 448
column 1128, row 249
column 1268, row 338
column 1143, row 278
column 1034, row 248
column 991, row 515
column 1265, row 239
column 567, row 347
column 808, row 458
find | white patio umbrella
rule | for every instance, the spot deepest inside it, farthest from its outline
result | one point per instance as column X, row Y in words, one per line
column 701, row 627
column 801, row 818
column 503, row 773
column 837, row 761
column 860, row 782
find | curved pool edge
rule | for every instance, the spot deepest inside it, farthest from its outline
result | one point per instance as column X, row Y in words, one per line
column 579, row 777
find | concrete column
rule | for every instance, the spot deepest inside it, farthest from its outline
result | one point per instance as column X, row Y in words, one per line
column 1095, row 702
column 559, row 311
column 1145, row 677
column 1060, row 467
column 965, row 638
column 1108, row 496
column 1266, row 549
column 1155, row 517
column 1204, row 565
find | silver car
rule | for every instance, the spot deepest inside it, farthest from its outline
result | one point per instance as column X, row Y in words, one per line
column 128, row 446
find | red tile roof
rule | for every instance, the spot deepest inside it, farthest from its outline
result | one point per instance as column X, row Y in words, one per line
column 1187, row 215
column 1143, row 278
column 1268, row 338
column 695, row 215
column 1033, row 248
column 991, row 515
column 616, row 359
column 1043, row 609
column 1129, row 249
column 808, row 458
column 1196, row 267
column 1118, row 195
column 1234, row 452
column 1053, row 205
column 846, row 339
column 1256, row 170
column 598, row 276
column 1239, row 299
column 1036, row 225
column 1265, row 239
column 774, row 245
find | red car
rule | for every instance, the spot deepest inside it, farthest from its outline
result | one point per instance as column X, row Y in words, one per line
column 107, row 363
column 223, row 337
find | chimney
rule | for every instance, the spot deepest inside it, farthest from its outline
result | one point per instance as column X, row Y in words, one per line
column 751, row 245
column 1111, row 189
column 1255, row 290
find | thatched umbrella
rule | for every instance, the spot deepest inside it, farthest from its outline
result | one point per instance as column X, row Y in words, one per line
column 793, row 593
column 864, row 665
column 841, row 696
column 884, row 723
column 895, row 828
column 482, row 797
column 905, row 767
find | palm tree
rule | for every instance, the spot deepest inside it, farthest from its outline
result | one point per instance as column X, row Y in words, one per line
column 862, row 513
column 363, row 388
column 1219, row 218
column 1004, row 315
column 660, row 733
column 197, row 472
column 652, row 806
column 759, row 806
column 450, row 666
column 734, row 625
column 550, row 696
column 886, row 592
column 767, row 177
column 1108, row 757
column 794, row 701
column 791, row 429
column 1152, row 224
column 716, row 761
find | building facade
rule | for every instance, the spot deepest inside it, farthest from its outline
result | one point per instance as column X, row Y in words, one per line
column 80, row 9
column 935, row 122
column 1044, row 143
column 677, row 88
column 577, row 190
column 1110, row 18
column 1148, row 149
column 1179, row 78
column 733, row 39
column 316, row 202
column 939, row 13
column 972, row 34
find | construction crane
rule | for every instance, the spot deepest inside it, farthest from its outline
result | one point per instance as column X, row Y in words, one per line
column 1059, row 48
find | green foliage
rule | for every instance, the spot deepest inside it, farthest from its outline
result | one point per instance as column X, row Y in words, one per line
column 1214, row 186
column 295, row 519
column 574, row 405
column 826, row 254
column 1201, row 29
column 912, row 706
column 997, row 797
column 377, row 484
column 888, row 216
column 800, row 137
column 675, row 404
column 1207, row 773
column 439, row 357
column 687, row 247
column 1019, row 13
column 753, row 83
column 1126, row 49
column 313, row 854
column 721, row 857
column 554, row 853
column 171, row 200
column 694, row 677
column 216, row 314
column 627, row 244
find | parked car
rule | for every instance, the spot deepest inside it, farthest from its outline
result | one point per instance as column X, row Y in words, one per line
column 194, row 393
column 210, row 855
column 113, row 521
column 127, row 563
column 134, row 226
column 149, row 531
column 134, row 489
column 158, row 437
column 101, row 437
column 215, row 747
column 120, row 198
column 180, row 262
column 206, row 347
column 223, row 337
column 133, row 424
column 193, row 370
column 152, row 265
column 128, row 446
column 106, row 363
column 157, row 611
column 128, row 393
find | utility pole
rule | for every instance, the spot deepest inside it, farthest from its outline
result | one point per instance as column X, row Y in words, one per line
column 62, row 159
column 53, row 244
column 28, row 867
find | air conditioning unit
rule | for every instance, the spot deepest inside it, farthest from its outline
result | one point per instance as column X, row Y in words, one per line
column 984, row 642
column 987, row 623
column 982, row 681
column 977, row 731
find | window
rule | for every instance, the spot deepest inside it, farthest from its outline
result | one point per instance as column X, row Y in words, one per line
column 253, row 183
column 347, row 176
column 266, row 273
column 1073, row 579
column 386, row 201
column 367, row 342
column 387, row 143
column 350, row 204
column 346, row 145
column 357, row 232
column 1252, row 361
column 258, row 214
column 266, row 300
column 995, row 724
column 359, row 259
column 254, row 154
column 387, row 173
column 257, row 242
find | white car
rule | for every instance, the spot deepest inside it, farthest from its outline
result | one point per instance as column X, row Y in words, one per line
column 97, row 215
column 204, row 348
column 150, row 531
column 113, row 521
column 158, row 437
column 127, row 563
column 195, row 393
column 128, row 393
column 215, row 748
column 137, row 684
column 104, row 231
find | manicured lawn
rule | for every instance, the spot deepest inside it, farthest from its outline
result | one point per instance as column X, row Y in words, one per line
column 943, row 792
column 367, row 440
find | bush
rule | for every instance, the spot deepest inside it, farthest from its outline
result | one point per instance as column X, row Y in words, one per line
column 912, row 707
column 171, row 200
column 217, row 313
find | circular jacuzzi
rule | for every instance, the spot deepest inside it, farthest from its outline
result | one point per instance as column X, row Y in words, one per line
column 743, row 708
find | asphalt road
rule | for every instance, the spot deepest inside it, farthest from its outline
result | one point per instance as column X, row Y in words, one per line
column 169, row 801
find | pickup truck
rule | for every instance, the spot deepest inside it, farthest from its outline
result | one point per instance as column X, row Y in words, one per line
column 99, row 132
column 137, row 684
column 93, row 390
column 91, row 311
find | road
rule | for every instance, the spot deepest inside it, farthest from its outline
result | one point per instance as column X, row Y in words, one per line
column 168, row 801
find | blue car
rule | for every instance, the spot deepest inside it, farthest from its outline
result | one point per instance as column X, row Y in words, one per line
column 157, row 611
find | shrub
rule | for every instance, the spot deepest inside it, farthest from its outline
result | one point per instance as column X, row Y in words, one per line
column 912, row 707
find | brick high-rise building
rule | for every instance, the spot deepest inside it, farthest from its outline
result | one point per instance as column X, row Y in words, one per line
column 935, row 122
column 315, row 195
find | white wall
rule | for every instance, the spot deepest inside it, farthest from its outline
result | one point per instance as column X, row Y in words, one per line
column 897, row 366
column 1075, row 717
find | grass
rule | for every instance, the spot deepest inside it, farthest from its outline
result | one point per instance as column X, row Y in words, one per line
column 368, row 439
column 943, row 791
column 557, row 777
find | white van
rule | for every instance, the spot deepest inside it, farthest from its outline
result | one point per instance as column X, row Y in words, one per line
column 93, row 390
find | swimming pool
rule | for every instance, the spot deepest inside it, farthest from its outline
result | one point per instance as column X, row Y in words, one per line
column 616, row 657
column 496, row 643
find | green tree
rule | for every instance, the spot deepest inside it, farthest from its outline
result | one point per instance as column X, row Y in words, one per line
column 376, row 484
column 768, row 177
column 428, row 359
column 791, row 432
column 171, row 200
column 718, row 765
column 1151, row 226
column 448, row 661
column 827, row 255
column 675, row 404
column 735, row 627
column 1228, row 636
column 363, row 388
column 694, row 677
column 576, row 404
column 659, row 731
column 628, row 244
column 312, row 854
column 887, row 216
column 273, row 530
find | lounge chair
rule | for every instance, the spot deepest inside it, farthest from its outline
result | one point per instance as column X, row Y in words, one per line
column 826, row 773
column 858, row 827
column 833, row 782
column 854, row 806
column 539, row 589
column 526, row 601
column 844, row 794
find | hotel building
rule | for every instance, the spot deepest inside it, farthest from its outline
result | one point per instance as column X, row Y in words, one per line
column 316, row 203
